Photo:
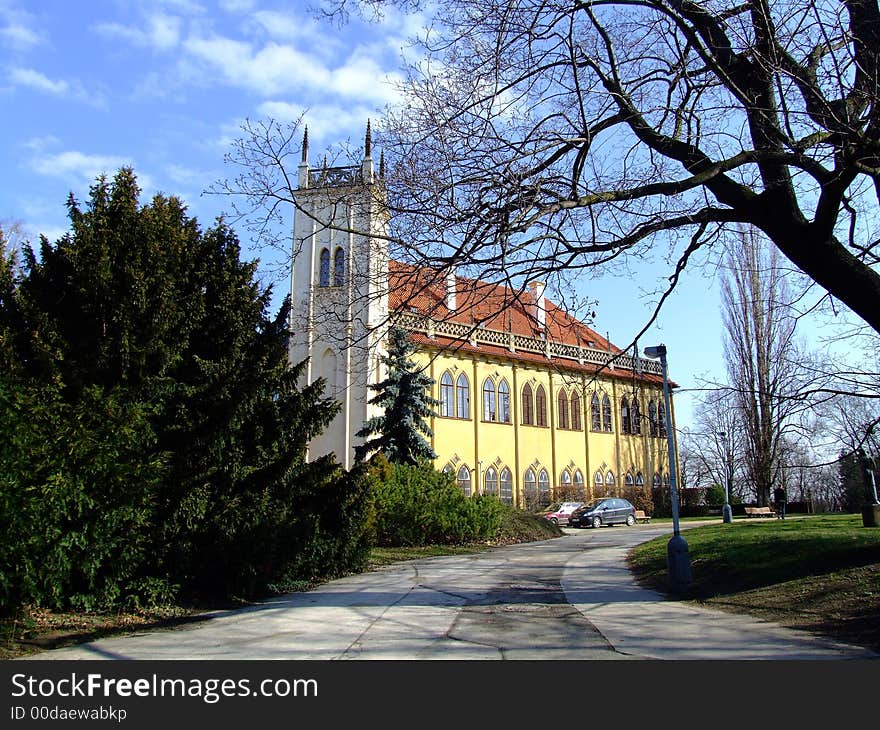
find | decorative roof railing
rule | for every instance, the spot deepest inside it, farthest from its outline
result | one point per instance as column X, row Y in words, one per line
column 335, row 176
column 476, row 335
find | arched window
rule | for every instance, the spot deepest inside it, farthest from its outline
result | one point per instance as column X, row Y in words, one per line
column 578, row 478
column 446, row 395
column 464, row 480
column 609, row 481
column 640, row 480
column 562, row 407
column 652, row 418
column 624, row 414
column 528, row 406
column 666, row 479
column 448, row 469
column 490, row 482
column 543, row 487
column 636, row 417
column 540, row 407
column 339, row 267
column 530, row 489
column 598, row 483
column 489, row 413
column 324, row 273
column 628, row 479
column 565, row 478
column 656, row 481
column 575, row 411
column 462, row 397
column 329, row 373
column 503, row 402
column 506, row 486
column 595, row 413
column 661, row 420
column 606, row 414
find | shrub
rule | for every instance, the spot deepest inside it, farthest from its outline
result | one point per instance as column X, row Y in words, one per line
column 417, row 505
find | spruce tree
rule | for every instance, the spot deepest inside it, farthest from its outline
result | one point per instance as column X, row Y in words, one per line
column 404, row 397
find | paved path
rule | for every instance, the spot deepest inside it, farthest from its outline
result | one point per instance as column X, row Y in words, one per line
column 568, row 598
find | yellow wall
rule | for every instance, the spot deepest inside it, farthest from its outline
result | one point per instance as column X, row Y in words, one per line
column 468, row 441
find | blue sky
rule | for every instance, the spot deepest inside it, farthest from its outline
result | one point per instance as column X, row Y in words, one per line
column 162, row 85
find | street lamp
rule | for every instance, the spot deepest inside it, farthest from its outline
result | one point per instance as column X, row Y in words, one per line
column 726, row 512
column 677, row 557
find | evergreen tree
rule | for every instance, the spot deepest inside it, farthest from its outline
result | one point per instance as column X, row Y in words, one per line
column 404, row 397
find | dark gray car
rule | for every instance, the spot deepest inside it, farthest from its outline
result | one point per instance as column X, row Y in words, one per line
column 607, row 511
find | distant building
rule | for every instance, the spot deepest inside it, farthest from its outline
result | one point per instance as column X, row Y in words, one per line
column 534, row 404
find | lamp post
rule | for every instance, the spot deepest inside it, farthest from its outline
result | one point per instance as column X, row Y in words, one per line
column 678, row 559
column 726, row 511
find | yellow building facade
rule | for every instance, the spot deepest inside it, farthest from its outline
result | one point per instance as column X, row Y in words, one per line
column 535, row 406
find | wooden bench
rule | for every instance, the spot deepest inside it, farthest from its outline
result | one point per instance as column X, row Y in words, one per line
column 759, row 512
column 641, row 516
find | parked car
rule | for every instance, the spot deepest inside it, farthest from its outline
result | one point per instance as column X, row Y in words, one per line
column 607, row 511
column 560, row 515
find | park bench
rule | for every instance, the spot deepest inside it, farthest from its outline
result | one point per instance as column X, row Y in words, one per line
column 759, row 512
column 641, row 516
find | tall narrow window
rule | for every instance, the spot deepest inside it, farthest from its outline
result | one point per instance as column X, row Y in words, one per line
column 575, row 411
column 606, row 414
column 464, row 480
column 595, row 413
column 609, row 481
column 565, row 478
column 530, row 489
column 628, row 479
column 489, row 413
column 506, row 486
column 540, row 407
column 503, row 402
column 636, row 417
column 652, row 418
column 528, row 406
column 598, row 484
column 324, row 273
column 462, row 396
column 490, row 482
column 661, row 420
column 339, row 267
column 446, row 395
column 624, row 414
column 656, row 481
column 543, row 488
column 562, row 406
column 640, row 480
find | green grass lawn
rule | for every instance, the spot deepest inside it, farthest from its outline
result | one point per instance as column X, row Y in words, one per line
column 818, row 573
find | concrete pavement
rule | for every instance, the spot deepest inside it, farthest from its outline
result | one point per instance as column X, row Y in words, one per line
column 568, row 598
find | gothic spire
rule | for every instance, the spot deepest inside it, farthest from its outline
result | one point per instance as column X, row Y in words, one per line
column 305, row 146
column 368, row 141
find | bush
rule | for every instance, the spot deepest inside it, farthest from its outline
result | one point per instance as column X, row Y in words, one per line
column 417, row 505
column 640, row 498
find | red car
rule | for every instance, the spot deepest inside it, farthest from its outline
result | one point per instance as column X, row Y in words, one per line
column 560, row 516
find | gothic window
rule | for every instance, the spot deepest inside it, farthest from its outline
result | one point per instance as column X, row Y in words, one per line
column 636, row 417
column 339, row 267
column 490, row 485
column 652, row 418
column 606, row 414
column 595, row 413
column 448, row 469
column 578, row 478
column 540, row 407
column 640, row 480
column 562, row 404
column 575, row 411
column 624, row 415
column 598, row 481
column 446, row 395
column 462, row 397
column 464, row 480
column 661, row 420
column 628, row 479
column 528, row 406
column 324, row 274
column 506, row 486
column 565, row 478
column 489, row 413
column 530, row 487
column 609, row 480
column 543, row 487
column 503, row 402
column 656, row 481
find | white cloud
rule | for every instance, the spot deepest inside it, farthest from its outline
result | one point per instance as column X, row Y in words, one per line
column 20, row 36
column 73, row 164
column 160, row 31
column 40, row 82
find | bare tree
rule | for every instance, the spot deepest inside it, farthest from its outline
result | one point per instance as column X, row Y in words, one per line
column 542, row 138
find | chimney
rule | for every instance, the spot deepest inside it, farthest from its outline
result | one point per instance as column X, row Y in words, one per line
column 450, row 290
column 538, row 307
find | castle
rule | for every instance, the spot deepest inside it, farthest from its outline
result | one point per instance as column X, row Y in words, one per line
column 534, row 405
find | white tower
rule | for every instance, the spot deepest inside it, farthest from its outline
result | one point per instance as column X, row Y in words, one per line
column 339, row 290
